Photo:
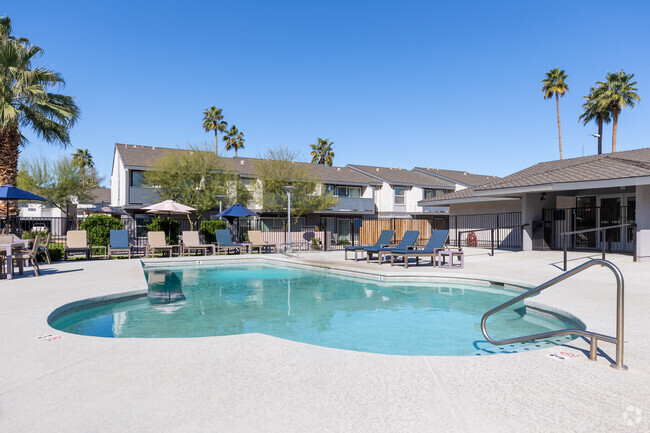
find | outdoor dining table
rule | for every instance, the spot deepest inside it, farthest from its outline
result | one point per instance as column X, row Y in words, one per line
column 8, row 247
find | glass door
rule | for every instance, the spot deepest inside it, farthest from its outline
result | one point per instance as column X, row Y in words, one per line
column 630, row 217
column 585, row 218
column 610, row 215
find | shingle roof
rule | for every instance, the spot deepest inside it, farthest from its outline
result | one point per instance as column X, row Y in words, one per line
column 401, row 176
column 620, row 165
column 100, row 195
column 461, row 177
column 144, row 156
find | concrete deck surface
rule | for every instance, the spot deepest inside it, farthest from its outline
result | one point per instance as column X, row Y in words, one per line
column 258, row 383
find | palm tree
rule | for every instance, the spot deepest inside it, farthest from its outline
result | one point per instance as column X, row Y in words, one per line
column 593, row 111
column 213, row 121
column 27, row 102
column 322, row 152
column 234, row 139
column 618, row 92
column 83, row 159
column 554, row 84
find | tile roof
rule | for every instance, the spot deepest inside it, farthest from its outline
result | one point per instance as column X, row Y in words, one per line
column 609, row 166
column 144, row 156
column 461, row 177
column 401, row 176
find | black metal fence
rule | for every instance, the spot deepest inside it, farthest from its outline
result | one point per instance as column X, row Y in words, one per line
column 507, row 235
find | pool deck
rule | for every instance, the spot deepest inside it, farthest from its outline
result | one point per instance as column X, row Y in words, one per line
column 258, row 383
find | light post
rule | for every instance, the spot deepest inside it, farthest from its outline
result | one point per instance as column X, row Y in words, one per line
column 289, row 189
column 220, row 198
column 584, row 139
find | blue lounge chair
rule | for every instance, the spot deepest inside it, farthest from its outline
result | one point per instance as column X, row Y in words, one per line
column 408, row 240
column 383, row 241
column 225, row 243
column 119, row 244
column 436, row 243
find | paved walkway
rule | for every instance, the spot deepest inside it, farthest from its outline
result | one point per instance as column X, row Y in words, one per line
column 254, row 383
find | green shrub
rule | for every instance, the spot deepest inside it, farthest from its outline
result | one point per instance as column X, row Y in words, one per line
column 315, row 244
column 98, row 228
column 32, row 234
column 343, row 241
column 208, row 227
column 170, row 226
column 56, row 253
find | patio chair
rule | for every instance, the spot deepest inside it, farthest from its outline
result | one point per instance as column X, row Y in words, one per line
column 29, row 256
column 76, row 242
column 224, row 242
column 44, row 248
column 119, row 244
column 255, row 236
column 191, row 242
column 408, row 241
column 156, row 242
column 383, row 241
column 436, row 243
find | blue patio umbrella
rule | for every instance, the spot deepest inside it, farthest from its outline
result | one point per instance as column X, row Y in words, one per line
column 8, row 192
column 237, row 211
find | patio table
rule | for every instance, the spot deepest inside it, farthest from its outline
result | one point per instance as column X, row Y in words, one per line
column 8, row 247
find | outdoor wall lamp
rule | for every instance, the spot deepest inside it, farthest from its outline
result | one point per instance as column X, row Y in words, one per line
column 542, row 197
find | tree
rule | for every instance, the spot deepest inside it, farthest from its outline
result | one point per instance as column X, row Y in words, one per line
column 194, row 177
column 278, row 168
column 60, row 181
column 84, row 160
column 322, row 152
column 554, row 84
column 617, row 92
column 593, row 111
column 213, row 121
column 234, row 139
column 28, row 102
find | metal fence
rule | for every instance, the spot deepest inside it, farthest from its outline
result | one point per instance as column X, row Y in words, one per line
column 506, row 237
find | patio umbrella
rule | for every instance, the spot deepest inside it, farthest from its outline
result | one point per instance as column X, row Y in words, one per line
column 237, row 211
column 8, row 192
column 169, row 207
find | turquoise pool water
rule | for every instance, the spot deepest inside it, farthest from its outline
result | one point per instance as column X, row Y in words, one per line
column 317, row 308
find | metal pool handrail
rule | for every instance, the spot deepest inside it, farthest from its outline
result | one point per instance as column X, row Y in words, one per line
column 594, row 337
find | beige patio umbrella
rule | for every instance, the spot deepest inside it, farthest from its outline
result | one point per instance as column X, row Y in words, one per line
column 169, row 207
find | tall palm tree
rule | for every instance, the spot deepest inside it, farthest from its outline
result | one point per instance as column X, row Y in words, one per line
column 84, row 160
column 555, row 84
column 618, row 92
column 593, row 111
column 234, row 139
column 213, row 121
column 322, row 152
column 26, row 101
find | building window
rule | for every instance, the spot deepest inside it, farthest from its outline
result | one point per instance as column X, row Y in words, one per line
column 343, row 191
column 137, row 178
column 399, row 195
column 249, row 184
column 431, row 193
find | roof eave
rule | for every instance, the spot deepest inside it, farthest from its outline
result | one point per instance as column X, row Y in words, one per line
column 568, row 186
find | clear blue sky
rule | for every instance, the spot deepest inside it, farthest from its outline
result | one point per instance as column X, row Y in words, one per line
column 441, row 84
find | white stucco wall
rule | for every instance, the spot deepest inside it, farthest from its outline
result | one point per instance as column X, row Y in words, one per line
column 119, row 181
column 643, row 222
column 485, row 207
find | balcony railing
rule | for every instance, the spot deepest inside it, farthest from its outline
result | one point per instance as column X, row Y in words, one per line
column 142, row 195
column 348, row 204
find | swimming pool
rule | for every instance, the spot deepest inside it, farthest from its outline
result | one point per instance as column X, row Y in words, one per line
column 315, row 307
